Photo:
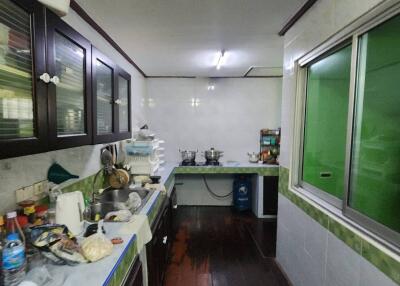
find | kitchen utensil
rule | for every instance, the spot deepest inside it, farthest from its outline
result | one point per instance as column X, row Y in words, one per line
column 69, row 211
column 188, row 156
column 119, row 178
column 107, row 160
column 213, row 155
column 58, row 174
column 253, row 157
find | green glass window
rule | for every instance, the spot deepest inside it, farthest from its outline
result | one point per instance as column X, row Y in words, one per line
column 325, row 126
column 375, row 164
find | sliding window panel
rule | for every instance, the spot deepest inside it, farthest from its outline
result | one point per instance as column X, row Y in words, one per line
column 23, row 121
column 105, row 110
column 69, row 66
column 375, row 158
column 325, row 126
column 123, row 81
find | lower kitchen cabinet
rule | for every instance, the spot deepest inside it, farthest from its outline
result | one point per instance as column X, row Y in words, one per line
column 157, row 248
column 270, row 195
column 135, row 275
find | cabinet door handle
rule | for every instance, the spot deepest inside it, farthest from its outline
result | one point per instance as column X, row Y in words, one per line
column 55, row 80
column 45, row 77
column 118, row 101
column 165, row 239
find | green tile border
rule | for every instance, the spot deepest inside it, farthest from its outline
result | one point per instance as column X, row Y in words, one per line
column 262, row 171
column 377, row 257
column 122, row 269
column 85, row 185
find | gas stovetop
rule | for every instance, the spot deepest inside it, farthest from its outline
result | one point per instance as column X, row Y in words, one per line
column 199, row 164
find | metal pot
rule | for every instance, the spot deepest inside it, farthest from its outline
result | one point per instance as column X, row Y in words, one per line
column 188, row 156
column 213, row 155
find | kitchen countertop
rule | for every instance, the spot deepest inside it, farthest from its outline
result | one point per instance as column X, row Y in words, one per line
column 168, row 170
column 112, row 269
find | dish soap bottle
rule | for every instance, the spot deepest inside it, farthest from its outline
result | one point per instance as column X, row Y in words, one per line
column 13, row 253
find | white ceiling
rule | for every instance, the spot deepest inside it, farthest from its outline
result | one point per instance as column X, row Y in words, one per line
column 182, row 37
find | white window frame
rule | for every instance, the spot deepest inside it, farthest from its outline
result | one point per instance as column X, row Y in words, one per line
column 349, row 35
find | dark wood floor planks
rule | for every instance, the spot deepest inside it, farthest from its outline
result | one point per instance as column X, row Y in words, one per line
column 216, row 246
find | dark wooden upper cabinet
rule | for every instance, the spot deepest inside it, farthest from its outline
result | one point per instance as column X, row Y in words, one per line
column 69, row 58
column 46, row 99
column 111, row 100
column 23, row 102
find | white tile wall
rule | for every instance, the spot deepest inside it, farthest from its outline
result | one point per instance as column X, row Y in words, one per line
column 228, row 118
column 312, row 256
column 84, row 161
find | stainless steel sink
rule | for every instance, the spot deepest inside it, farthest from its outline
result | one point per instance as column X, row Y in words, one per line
column 122, row 195
column 112, row 199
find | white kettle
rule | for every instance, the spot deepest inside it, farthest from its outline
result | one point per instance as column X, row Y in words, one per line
column 69, row 211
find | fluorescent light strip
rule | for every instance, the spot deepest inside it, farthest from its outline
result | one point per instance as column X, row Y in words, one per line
column 221, row 59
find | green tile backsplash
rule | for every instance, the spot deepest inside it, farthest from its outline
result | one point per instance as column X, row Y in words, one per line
column 376, row 256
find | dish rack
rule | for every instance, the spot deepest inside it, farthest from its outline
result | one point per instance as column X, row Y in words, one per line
column 144, row 157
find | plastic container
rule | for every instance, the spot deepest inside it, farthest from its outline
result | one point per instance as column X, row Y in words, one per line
column 13, row 260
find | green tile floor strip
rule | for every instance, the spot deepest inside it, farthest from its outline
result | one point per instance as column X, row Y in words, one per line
column 381, row 260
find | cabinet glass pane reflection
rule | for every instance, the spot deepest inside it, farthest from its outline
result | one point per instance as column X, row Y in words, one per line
column 16, row 101
column 104, row 96
column 123, row 93
column 70, row 69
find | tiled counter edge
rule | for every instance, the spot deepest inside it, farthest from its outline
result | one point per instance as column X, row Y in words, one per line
column 382, row 260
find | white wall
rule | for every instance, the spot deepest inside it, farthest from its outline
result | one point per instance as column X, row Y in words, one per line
column 309, row 254
column 312, row 256
column 84, row 161
column 228, row 118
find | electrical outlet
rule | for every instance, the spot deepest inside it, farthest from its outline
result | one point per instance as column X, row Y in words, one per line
column 20, row 195
column 28, row 192
column 39, row 190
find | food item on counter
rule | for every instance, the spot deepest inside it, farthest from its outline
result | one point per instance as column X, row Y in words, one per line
column 97, row 246
column 118, row 216
column 68, row 250
column 57, row 244
column 44, row 235
column 92, row 229
column 117, row 240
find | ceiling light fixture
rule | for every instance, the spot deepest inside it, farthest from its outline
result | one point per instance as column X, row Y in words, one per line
column 221, row 59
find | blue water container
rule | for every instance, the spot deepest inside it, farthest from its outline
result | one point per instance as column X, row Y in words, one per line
column 242, row 193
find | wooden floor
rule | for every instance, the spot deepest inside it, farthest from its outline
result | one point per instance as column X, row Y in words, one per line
column 218, row 246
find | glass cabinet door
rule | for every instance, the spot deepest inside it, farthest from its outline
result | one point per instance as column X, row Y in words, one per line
column 69, row 57
column 20, row 101
column 104, row 104
column 124, row 104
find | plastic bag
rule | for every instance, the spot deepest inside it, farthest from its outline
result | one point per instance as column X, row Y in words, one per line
column 97, row 246
column 118, row 216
